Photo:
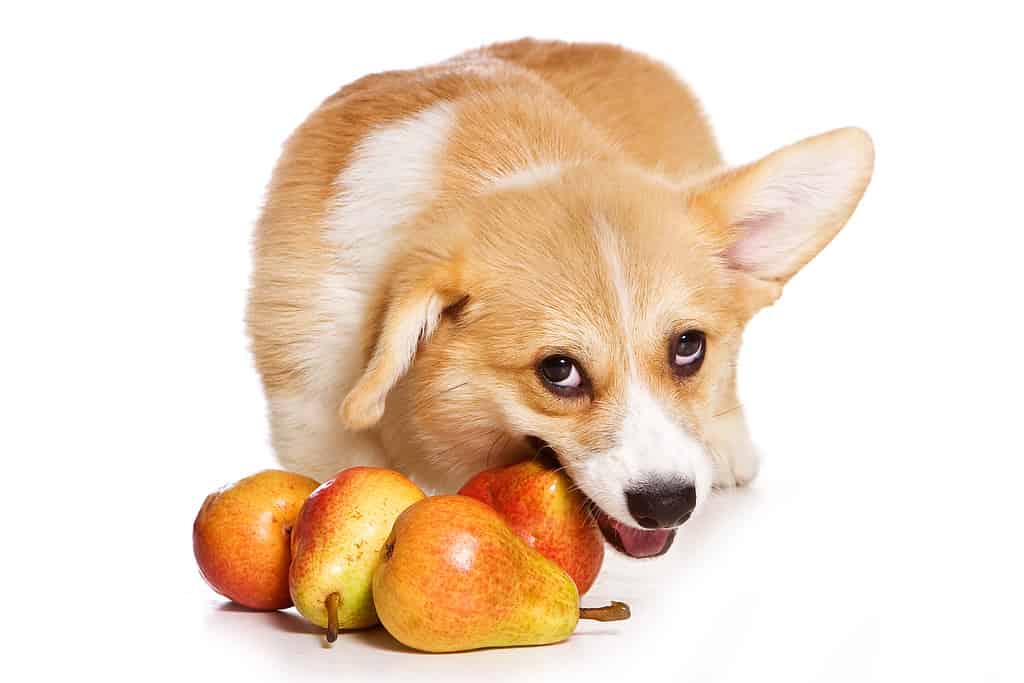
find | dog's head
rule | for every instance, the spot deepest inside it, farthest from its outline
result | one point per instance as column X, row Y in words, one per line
column 599, row 311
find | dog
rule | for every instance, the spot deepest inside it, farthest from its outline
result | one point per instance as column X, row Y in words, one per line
column 533, row 246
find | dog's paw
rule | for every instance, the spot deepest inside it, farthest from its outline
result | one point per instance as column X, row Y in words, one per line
column 737, row 470
column 737, row 459
column 746, row 463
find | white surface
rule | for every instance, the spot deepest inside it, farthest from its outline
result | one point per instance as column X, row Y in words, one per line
column 883, row 540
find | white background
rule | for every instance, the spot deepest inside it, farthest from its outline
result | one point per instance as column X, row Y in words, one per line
column 883, row 539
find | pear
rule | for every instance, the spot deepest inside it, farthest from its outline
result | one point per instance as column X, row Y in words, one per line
column 541, row 505
column 240, row 537
column 453, row 576
column 336, row 543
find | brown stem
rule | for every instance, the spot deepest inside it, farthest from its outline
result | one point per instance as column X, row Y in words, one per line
column 332, row 603
column 615, row 611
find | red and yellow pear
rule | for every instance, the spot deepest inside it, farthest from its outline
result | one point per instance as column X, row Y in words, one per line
column 541, row 506
column 241, row 537
column 453, row 576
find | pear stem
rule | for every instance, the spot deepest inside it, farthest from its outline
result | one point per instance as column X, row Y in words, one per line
column 332, row 603
column 615, row 611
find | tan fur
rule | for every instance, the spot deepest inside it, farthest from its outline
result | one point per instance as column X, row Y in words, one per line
column 316, row 153
column 629, row 246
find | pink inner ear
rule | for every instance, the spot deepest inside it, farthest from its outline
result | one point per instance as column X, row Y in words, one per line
column 754, row 240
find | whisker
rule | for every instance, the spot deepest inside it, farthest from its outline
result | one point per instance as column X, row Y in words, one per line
column 463, row 443
column 490, row 451
column 422, row 402
column 730, row 410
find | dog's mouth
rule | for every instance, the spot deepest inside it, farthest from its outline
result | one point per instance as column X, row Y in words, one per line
column 628, row 540
column 631, row 541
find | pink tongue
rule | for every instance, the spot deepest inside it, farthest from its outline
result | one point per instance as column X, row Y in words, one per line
column 640, row 543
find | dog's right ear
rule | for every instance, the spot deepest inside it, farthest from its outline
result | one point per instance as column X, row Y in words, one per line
column 425, row 286
column 776, row 214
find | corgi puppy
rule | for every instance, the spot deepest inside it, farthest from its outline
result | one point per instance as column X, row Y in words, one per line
column 531, row 246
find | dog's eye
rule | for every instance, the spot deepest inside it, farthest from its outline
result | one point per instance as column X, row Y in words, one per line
column 561, row 373
column 688, row 352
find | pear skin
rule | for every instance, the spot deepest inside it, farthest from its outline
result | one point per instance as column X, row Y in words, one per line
column 541, row 505
column 453, row 576
column 240, row 537
column 336, row 545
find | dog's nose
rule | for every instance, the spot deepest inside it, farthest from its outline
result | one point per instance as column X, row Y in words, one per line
column 663, row 504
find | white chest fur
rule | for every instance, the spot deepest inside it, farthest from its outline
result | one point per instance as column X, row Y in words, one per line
column 392, row 174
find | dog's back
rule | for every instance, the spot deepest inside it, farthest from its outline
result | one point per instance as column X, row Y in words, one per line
column 638, row 102
column 394, row 145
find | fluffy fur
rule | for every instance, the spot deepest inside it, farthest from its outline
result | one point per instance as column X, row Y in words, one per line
column 429, row 236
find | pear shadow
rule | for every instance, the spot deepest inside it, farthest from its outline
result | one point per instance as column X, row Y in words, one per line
column 602, row 632
column 288, row 622
column 236, row 607
column 379, row 639
column 293, row 623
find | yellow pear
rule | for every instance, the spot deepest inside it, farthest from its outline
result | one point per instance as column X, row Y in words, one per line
column 336, row 544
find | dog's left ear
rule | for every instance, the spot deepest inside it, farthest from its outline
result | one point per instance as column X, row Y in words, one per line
column 776, row 214
column 424, row 287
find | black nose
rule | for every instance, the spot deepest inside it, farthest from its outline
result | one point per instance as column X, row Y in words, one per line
column 662, row 504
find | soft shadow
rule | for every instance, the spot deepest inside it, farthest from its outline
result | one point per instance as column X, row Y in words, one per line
column 293, row 623
column 382, row 640
column 378, row 638
column 235, row 607
column 289, row 622
column 724, row 507
column 602, row 632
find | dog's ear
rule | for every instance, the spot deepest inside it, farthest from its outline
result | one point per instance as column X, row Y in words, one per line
column 776, row 214
column 422, row 289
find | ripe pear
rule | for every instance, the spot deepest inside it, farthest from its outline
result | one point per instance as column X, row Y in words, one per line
column 453, row 576
column 240, row 537
column 540, row 504
column 336, row 545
